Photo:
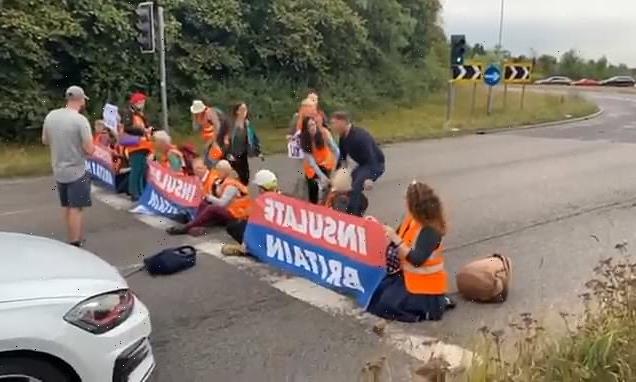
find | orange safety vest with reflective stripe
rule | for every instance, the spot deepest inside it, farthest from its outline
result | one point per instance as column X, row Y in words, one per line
column 209, row 181
column 429, row 278
column 239, row 206
column 208, row 130
column 145, row 142
column 324, row 156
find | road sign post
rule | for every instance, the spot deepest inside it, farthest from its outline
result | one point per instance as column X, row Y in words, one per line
column 473, row 101
column 470, row 72
column 523, row 95
column 518, row 73
column 492, row 76
column 505, row 96
column 449, row 101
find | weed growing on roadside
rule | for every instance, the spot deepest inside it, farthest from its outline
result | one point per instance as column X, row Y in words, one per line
column 599, row 346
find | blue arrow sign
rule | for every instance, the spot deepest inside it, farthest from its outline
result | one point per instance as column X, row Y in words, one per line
column 492, row 75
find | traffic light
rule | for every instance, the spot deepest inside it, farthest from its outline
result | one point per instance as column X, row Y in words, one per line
column 146, row 27
column 458, row 49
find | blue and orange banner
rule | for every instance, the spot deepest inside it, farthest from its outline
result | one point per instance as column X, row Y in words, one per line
column 101, row 167
column 169, row 194
column 342, row 252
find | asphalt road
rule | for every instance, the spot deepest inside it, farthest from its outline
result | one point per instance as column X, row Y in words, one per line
column 555, row 199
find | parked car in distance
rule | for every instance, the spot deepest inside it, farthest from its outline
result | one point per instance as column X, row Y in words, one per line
column 67, row 315
column 554, row 80
column 586, row 82
column 622, row 81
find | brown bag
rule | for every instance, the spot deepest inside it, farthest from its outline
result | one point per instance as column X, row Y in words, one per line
column 485, row 280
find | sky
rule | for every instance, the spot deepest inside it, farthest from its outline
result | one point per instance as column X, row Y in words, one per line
column 592, row 27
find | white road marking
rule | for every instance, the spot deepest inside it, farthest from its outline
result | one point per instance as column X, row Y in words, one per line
column 417, row 346
column 17, row 212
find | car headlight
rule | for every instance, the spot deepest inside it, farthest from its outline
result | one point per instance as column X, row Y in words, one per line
column 102, row 313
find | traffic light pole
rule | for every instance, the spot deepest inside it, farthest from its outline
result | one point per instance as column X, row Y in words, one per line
column 162, row 70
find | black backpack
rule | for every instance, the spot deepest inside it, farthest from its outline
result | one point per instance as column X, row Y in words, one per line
column 171, row 260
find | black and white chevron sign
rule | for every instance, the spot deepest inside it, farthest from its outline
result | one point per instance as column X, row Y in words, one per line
column 517, row 72
column 467, row 72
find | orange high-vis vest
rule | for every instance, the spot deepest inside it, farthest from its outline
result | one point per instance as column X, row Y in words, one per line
column 214, row 151
column 208, row 130
column 239, row 206
column 324, row 157
column 304, row 113
column 208, row 182
column 429, row 278
column 145, row 143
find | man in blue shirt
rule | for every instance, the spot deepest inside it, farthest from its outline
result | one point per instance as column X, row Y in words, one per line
column 357, row 144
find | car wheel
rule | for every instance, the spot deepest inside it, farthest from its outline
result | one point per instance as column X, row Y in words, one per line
column 16, row 369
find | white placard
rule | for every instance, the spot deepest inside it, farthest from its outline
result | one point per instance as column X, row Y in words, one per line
column 294, row 150
column 111, row 117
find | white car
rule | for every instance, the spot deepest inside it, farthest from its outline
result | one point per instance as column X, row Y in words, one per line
column 66, row 315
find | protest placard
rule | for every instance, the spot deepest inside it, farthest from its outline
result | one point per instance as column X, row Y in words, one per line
column 110, row 116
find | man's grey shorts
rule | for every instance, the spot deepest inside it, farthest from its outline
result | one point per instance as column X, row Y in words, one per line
column 76, row 194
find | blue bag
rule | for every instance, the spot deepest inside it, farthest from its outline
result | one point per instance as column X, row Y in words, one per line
column 171, row 260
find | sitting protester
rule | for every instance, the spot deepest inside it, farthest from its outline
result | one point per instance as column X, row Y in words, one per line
column 208, row 177
column 265, row 181
column 103, row 135
column 418, row 290
column 166, row 154
column 340, row 195
column 228, row 201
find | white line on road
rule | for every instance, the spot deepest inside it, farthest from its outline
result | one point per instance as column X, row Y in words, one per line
column 417, row 346
column 17, row 212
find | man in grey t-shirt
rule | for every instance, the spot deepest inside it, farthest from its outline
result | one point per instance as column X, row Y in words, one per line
column 68, row 134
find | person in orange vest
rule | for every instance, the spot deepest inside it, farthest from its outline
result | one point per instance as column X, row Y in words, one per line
column 103, row 135
column 265, row 181
column 208, row 177
column 167, row 154
column 230, row 200
column 320, row 156
column 138, row 143
column 418, row 290
column 207, row 120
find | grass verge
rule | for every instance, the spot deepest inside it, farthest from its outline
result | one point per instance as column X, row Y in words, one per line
column 425, row 119
column 599, row 346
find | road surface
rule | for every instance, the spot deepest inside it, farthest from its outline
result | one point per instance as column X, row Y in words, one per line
column 554, row 199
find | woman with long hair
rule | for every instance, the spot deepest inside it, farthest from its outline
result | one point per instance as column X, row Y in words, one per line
column 416, row 292
column 320, row 156
column 238, row 141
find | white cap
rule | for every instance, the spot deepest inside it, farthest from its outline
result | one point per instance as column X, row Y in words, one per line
column 197, row 107
column 162, row 136
column 266, row 179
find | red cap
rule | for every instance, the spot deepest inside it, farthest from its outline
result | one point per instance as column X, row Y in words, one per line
column 137, row 97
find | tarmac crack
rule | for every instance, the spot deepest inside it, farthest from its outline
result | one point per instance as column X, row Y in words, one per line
column 629, row 203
